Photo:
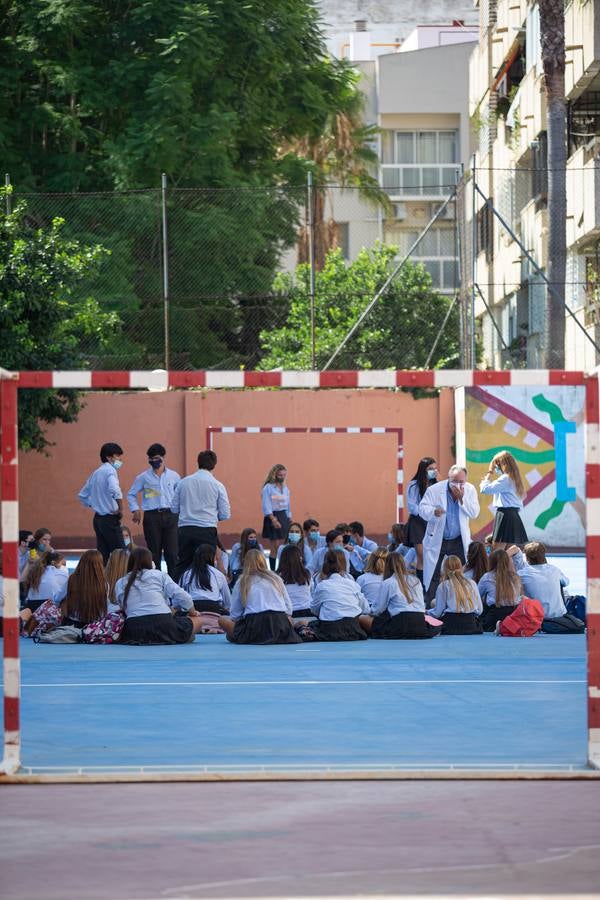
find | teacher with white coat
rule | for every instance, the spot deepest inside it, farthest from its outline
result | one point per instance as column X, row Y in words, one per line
column 447, row 507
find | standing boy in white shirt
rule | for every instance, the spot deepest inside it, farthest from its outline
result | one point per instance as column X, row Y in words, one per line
column 102, row 493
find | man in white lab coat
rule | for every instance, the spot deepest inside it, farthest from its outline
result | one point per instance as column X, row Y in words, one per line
column 447, row 507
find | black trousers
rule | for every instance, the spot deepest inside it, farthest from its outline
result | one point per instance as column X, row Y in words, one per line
column 190, row 537
column 160, row 532
column 108, row 534
column 448, row 548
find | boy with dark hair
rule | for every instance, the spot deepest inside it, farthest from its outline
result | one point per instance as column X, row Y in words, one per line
column 157, row 486
column 102, row 493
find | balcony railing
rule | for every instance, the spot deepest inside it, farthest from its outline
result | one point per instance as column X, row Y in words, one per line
column 432, row 182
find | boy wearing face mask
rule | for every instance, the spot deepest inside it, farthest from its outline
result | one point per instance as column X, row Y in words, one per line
column 102, row 493
column 156, row 484
column 447, row 507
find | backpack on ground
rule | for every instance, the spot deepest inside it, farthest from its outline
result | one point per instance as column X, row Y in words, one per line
column 46, row 617
column 525, row 621
column 64, row 634
column 567, row 624
column 106, row 630
column 576, row 607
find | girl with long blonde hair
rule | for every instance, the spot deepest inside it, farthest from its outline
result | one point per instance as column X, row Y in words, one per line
column 457, row 600
column 116, row 567
column 503, row 480
column 261, row 609
column 275, row 499
column 371, row 580
column 399, row 609
column 500, row 589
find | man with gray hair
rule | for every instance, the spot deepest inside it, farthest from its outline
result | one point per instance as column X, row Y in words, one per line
column 447, row 507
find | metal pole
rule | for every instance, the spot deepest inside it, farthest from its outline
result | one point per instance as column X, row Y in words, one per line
column 311, row 263
column 473, row 263
column 491, row 315
column 7, row 194
column 441, row 331
column 165, row 273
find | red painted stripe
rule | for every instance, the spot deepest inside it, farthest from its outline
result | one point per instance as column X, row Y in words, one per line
column 491, row 377
column 35, row 379
column 558, row 376
column 10, row 555
column 111, row 379
column 11, row 713
column 294, row 430
column 338, row 379
column 593, row 556
column 592, row 480
column 514, row 414
column 10, row 628
column 592, row 404
column 262, row 379
column 406, row 378
column 196, row 378
column 9, row 479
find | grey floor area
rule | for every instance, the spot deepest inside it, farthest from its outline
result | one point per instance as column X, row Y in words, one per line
column 341, row 839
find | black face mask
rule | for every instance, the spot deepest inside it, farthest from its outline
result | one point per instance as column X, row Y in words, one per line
column 155, row 463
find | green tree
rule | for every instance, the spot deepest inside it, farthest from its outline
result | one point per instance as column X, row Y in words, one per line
column 398, row 333
column 46, row 320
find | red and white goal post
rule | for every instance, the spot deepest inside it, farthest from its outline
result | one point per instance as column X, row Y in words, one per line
column 10, row 382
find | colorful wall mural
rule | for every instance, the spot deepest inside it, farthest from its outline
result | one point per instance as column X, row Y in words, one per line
column 544, row 430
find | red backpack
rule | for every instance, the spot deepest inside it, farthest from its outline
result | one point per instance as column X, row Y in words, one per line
column 525, row 621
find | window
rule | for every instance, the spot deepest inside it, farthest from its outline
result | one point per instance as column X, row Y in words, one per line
column 437, row 251
column 426, row 147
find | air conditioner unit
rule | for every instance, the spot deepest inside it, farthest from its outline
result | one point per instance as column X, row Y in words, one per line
column 399, row 210
column 449, row 213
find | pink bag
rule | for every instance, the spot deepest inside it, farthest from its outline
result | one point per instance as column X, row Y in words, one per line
column 106, row 630
column 45, row 618
column 210, row 623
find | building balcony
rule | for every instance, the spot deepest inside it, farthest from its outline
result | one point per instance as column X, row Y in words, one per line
column 582, row 37
column 428, row 182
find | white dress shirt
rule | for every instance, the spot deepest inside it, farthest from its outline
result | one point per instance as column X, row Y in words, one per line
column 156, row 490
column 503, row 490
column 319, row 556
column 487, row 590
column 200, row 500
column 369, row 584
column 338, row 597
column 102, row 490
column 542, row 582
column 445, row 600
column 264, row 595
column 359, row 554
column 390, row 597
column 300, row 595
column 52, row 586
column 151, row 594
column 217, row 593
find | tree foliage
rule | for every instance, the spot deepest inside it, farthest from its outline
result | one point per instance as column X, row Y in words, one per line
column 45, row 316
column 399, row 332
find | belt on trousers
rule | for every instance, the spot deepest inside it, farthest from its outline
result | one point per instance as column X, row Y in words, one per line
column 161, row 509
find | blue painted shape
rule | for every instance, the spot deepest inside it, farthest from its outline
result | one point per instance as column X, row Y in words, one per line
column 563, row 491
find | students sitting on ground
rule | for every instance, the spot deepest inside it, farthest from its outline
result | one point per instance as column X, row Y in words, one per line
column 541, row 580
column 294, row 538
column 46, row 577
column 370, row 582
column 477, row 563
column 248, row 541
column 146, row 596
column 205, row 584
column 457, row 600
column 500, row 589
column 399, row 609
column 334, row 540
column 360, row 546
column 116, row 568
column 86, row 596
column 313, row 540
column 296, row 578
column 397, row 538
column 261, row 609
column 338, row 602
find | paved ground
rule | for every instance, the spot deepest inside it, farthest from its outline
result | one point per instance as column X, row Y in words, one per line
column 127, row 842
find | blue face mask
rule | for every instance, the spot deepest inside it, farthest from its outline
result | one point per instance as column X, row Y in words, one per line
column 431, row 474
column 252, row 544
column 339, row 548
column 497, row 470
column 294, row 537
column 116, row 464
column 390, row 537
column 155, row 463
column 314, row 535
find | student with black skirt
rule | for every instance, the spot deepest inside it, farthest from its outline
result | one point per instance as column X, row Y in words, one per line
column 338, row 602
column 457, row 600
column 248, row 541
column 500, row 589
column 296, row 578
column 261, row 609
column 275, row 496
column 205, row 584
column 146, row 595
column 508, row 491
column 424, row 477
column 399, row 610
column 477, row 563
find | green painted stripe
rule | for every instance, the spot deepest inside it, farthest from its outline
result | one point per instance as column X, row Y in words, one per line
column 530, row 456
column 551, row 409
column 549, row 514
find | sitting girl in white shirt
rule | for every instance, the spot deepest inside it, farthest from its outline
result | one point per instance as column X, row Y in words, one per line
column 372, row 579
column 399, row 608
column 296, row 578
column 205, row 584
column 457, row 600
column 500, row 589
column 338, row 602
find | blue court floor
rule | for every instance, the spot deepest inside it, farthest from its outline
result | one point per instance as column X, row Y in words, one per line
column 476, row 701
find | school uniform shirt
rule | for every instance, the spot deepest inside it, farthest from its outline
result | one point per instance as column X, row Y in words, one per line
column 53, row 585
column 487, row 589
column 542, row 582
column 235, row 562
column 369, row 583
column 218, row 592
column 263, row 596
column 276, row 498
column 156, row 490
column 317, row 560
column 503, row 490
column 305, row 558
column 102, row 490
column 300, row 595
column 338, row 597
column 200, row 500
column 23, row 560
column 390, row 597
column 413, row 498
column 445, row 600
column 360, row 554
column 152, row 593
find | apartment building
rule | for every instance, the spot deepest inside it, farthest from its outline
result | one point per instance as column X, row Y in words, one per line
column 508, row 110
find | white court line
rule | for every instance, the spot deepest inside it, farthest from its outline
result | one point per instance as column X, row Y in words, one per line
column 46, row 684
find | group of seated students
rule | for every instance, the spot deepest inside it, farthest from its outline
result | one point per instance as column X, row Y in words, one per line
column 340, row 587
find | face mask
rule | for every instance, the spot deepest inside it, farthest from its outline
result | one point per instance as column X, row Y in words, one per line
column 42, row 548
column 339, row 548
column 293, row 537
column 155, row 463
column 280, row 479
column 390, row 537
column 126, row 540
column 456, row 484
column 116, row 464
column 314, row 535
column 252, row 543
column 488, row 549
column 431, row 474
column 497, row 470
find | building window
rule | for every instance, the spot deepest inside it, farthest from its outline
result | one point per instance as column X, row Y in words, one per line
column 426, row 147
column 420, row 163
column 437, row 251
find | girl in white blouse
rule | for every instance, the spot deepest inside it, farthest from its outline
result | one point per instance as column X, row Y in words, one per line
column 261, row 609
column 370, row 582
column 457, row 600
column 500, row 589
column 205, row 584
column 399, row 608
column 296, row 578
column 508, row 492
column 338, row 602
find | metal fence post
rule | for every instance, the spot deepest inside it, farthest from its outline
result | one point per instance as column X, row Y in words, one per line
column 311, row 263
column 165, row 271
